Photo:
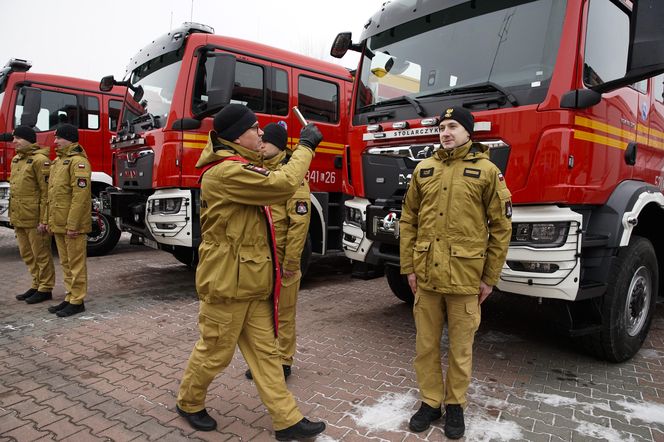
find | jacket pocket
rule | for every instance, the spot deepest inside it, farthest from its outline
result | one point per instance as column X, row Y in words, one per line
column 254, row 273
column 420, row 258
column 466, row 265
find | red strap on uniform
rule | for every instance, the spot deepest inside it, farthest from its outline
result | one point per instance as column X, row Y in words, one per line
column 276, row 290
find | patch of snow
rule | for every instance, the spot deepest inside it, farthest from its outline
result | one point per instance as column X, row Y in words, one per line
column 553, row 399
column 483, row 428
column 649, row 353
column 645, row 411
column 601, row 432
column 389, row 413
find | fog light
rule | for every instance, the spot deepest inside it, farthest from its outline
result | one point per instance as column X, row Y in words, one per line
column 533, row 266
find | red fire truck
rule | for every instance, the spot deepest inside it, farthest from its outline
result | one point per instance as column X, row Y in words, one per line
column 182, row 79
column 568, row 96
column 45, row 101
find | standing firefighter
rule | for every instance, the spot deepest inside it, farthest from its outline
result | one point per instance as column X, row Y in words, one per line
column 237, row 278
column 455, row 230
column 291, row 224
column 69, row 216
column 28, row 190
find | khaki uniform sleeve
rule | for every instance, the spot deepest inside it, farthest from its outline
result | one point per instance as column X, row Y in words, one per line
column 42, row 169
column 498, row 203
column 79, row 211
column 408, row 225
column 298, row 227
column 254, row 186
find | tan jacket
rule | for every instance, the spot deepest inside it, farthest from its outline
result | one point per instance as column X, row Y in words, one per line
column 235, row 258
column 69, row 191
column 291, row 220
column 455, row 225
column 28, row 186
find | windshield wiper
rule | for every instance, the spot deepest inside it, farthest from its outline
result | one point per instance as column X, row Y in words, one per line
column 487, row 86
column 410, row 100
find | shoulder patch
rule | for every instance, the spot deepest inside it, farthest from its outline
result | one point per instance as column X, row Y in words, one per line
column 301, row 207
column 66, row 162
column 29, row 160
column 508, row 209
column 81, row 166
column 82, row 183
column 473, row 173
column 501, row 177
column 257, row 169
column 426, row 172
column 47, row 163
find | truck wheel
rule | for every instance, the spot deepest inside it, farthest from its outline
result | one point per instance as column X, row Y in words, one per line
column 305, row 259
column 186, row 255
column 104, row 234
column 399, row 284
column 629, row 302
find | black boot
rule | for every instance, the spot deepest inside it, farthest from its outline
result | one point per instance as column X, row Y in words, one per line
column 57, row 308
column 423, row 418
column 200, row 420
column 301, row 430
column 71, row 309
column 454, row 425
column 39, row 297
column 26, row 295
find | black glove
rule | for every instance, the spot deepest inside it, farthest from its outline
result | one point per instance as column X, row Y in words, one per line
column 310, row 136
column 6, row 136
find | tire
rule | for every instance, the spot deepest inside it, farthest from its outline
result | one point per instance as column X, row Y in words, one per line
column 399, row 284
column 186, row 255
column 305, row 259
column 104, row 235
column 629, row 303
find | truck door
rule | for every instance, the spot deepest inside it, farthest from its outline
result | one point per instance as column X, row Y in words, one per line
column 654, row 159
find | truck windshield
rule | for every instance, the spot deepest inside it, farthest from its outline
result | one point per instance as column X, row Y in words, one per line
column 158, row 78
column 509, row 44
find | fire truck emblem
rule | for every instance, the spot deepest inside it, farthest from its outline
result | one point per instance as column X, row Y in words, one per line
column 390, row 220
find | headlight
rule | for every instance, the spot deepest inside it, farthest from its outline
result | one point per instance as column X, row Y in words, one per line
column 539, row 234
column 354, row 216
column 166, row 206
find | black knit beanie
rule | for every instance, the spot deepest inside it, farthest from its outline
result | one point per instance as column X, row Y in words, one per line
column 67, row 132
column 276, row 134
column 25, row 132
column 461, row 116
column 233, row 120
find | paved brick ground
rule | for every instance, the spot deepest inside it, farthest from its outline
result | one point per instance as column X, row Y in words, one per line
column 112, row 373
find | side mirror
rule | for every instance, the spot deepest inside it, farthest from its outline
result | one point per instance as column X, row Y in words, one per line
column 223, row 81
column 107, row 83
column 138, row 93
column 580, row 99
column 31, row 106
column 342, row 43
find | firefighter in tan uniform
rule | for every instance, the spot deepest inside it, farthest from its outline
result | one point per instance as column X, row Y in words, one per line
column 28, row 192
column 69, row 216
column 455, row 229
column 291, row 223
column 236, row 273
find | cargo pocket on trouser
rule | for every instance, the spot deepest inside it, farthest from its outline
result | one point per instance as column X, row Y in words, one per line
column 466, row 265
column 254, row 273
column 215, row 326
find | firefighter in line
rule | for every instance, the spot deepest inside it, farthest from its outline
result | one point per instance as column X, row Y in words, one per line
column 455, row 229
column 69, row 217
column 291, row 223
column 237, row 279
column 28, row 195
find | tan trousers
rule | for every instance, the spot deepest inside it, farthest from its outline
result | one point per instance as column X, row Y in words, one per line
column 462, row 314
column 287, row 310
column 248, row 325
column 73, row 259
column 35, row 249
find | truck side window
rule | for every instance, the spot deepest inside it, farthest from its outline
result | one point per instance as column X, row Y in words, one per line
column 279, row 92
column 114, row 107
column 659, row 88
column 318, row 100
column 249, row 86
column 607, row 40
column 56, row 108
column 90, row 118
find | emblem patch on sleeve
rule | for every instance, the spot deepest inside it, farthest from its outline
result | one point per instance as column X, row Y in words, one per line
column 426, row 172
column 81, row 166
column 501, row 177
column 29, row 160
column 257, row 169
column 47, row 163
column 82, row 183
column 473, row 173
column 301, row 207
column 508, row 209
